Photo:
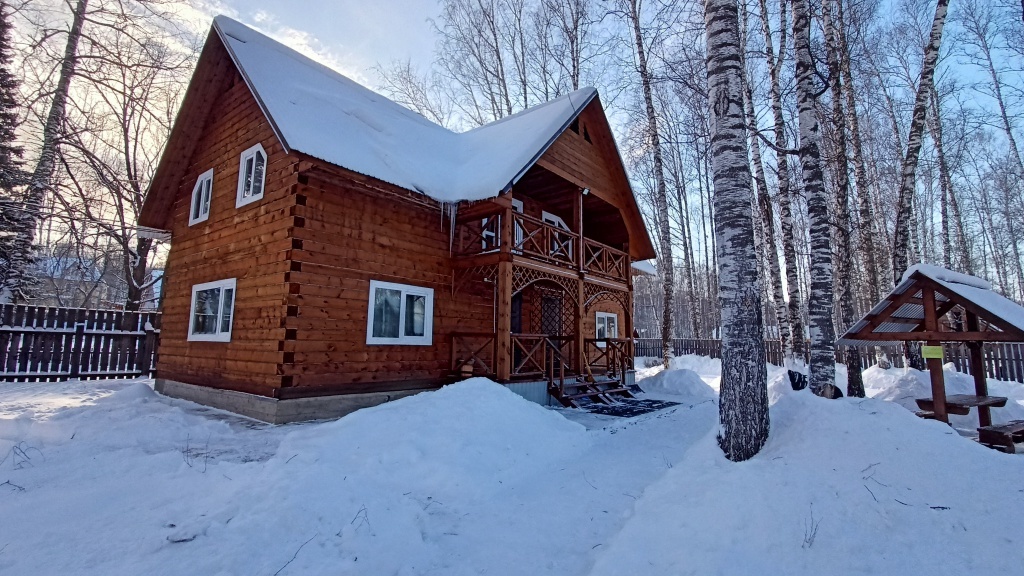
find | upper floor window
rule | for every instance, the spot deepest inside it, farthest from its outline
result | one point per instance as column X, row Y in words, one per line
column 201, row 194
column 251, row 175
column 213, row 306
column 400, row 314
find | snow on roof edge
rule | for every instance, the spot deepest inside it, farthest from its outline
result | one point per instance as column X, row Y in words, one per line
column 308, row 105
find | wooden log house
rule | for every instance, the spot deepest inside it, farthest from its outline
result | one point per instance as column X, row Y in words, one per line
column 331, row 249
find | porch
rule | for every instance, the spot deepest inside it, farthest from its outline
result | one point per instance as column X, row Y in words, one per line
column 602, row 372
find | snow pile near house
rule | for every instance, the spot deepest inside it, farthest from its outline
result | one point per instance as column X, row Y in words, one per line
column 680, row 382
column 842, row 487
column 904, row 385
column 171, row 488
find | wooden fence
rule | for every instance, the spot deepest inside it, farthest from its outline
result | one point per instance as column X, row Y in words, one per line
column 1002, row 361
column 45, row 344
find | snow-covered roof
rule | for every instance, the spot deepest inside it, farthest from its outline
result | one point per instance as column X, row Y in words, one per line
column 645, row 267
column 956, row 286
column 321, row 113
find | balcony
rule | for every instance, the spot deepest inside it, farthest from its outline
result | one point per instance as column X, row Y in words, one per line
column 491, row 229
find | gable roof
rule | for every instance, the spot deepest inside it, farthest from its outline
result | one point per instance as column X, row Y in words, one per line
column 318, row 112
column 900, row 315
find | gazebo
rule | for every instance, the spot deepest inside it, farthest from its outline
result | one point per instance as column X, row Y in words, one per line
column 913, row 312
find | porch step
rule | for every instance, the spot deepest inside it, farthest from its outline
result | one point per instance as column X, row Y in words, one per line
column 582, row 392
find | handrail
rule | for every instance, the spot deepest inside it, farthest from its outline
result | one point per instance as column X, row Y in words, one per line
column 614, row 357
column 473, row 354
column 544, row 241
column 604, row 259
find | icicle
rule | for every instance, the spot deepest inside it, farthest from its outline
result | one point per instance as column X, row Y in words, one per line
column 449, row 209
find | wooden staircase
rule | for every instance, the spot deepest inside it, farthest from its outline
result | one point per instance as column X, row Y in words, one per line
column 583, row 390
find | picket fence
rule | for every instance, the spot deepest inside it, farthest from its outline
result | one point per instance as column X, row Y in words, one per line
column 1003, row 361
column 46, row 344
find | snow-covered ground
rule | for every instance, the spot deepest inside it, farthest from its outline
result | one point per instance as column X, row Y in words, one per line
column 110, row 478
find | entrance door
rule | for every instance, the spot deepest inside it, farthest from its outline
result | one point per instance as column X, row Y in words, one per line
column 551, row 315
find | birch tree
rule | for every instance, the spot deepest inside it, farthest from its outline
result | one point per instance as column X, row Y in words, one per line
column 632, row 10
column 743, row 409
column 40, row 181
column 774, row 61
column 908, row 176
column 841, row 181
column 821, row 377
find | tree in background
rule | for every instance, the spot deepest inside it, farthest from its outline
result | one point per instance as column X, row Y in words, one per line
column 15, row 264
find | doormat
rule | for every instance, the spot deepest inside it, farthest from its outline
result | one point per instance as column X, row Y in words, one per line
column 628, row 407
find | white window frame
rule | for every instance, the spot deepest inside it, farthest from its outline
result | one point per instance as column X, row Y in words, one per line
column 556, row 221
column 219, row 336
column 597, row 326
column 403, row 340
column 240, row 200
column 204, row 178
column 489, row 236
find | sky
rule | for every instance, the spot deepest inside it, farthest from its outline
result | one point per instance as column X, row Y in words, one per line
column 351, row 36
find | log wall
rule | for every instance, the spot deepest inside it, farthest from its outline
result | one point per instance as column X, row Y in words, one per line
column 248, row 243
column 353, row 232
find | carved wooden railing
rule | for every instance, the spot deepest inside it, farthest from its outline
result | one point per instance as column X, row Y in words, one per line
column 605, row 260
column 534, row 354
column 544, row 241
column 611, row 356
column 474, row 353
column 477, row 235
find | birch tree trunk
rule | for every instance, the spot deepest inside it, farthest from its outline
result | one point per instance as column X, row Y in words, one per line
column 743, row 409
column 866, row 238
column 821, row 378
column 660, row 196
column 945, row 185
column 841, row 178
column 764, row 202
column 40, row 180
column 795, row 343
column 901, row 243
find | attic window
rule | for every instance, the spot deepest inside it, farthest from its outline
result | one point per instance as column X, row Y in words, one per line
column 586, row 135
column 251, row 175
column 575, row 126
column 200, row 207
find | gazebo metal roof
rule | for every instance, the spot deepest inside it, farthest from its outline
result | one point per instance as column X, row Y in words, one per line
column 900, row 316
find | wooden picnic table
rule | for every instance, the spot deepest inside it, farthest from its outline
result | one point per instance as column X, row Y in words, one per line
column 962, row 403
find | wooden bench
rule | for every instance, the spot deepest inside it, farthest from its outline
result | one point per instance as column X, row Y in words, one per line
column 1002, row 437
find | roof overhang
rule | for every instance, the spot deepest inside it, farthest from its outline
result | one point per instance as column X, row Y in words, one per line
column 925, row 291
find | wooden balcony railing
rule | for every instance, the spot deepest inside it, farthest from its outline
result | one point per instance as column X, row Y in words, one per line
column 481, row 233
column 544, row 241
column 605, row 260
column 474, row 353
column 610, row 356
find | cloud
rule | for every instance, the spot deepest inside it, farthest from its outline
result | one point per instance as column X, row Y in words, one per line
column 200, row 13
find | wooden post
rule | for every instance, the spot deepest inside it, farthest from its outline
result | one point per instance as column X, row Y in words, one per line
column 976, row 360
column 503, row 300
column 934, row 364
column 580, row 353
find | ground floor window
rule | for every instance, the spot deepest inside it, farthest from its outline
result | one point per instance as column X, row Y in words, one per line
column 400, row 314
column 213, row 305
column 607, row 326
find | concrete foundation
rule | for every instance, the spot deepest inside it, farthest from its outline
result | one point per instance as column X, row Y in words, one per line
column 273, row 410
